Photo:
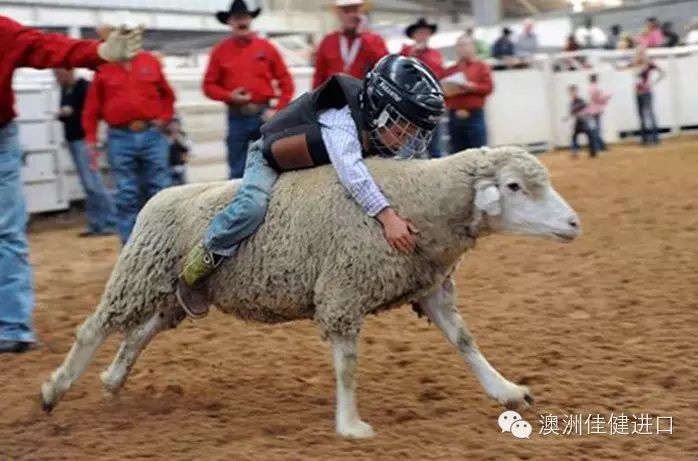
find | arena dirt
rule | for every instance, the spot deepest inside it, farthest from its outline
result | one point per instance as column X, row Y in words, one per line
column 605, row 325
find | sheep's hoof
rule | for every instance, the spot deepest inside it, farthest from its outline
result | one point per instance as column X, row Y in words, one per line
column 519, row 397
column 111, row 388
column 48, row 398
column 357, row 430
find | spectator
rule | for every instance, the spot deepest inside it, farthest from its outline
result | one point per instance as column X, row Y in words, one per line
column 691, row 36
column 241, row 73
column 652, row 36
column 466, row 99
column 626, row 42
column 671, row 38
column 614, row 38
column 597, row 104
column 136, row 101
column 352, row 50
column 644, row 67
column 27, row 47
column 483, row 50
column 99, row 207
column 589, row 36
column 503, row 47
column 420, row 32
column 527, row 44
column 569, row 62
column 582, row 122
column 179, row 151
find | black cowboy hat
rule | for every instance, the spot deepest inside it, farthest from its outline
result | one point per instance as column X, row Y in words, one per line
column 421, row 23
column 237, row 7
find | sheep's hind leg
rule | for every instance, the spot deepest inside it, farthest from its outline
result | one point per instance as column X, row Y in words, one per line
column 348, row 422
column 88, row 338
column 133, row 344
column 440, row 307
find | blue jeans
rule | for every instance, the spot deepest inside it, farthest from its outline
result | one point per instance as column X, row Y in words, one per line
column 648, row 122
column 246, row 212
column 435, row 148
column 600, row 143
column 16, row 291
column 467, row 132
column 101, row 213
column 140, row 164
column 242, row 130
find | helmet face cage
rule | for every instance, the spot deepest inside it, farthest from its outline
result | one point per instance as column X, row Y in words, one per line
column 392, row 134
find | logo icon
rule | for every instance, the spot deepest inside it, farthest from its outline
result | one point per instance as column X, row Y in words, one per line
column 511, row 421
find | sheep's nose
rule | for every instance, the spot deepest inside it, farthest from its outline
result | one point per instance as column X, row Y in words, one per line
column 575, row 224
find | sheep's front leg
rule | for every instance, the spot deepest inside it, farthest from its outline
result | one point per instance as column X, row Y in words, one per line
column 441, row 309
column 348, row 422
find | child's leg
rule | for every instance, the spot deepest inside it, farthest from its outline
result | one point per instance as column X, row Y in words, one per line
column 246, row 212
column 575, row 144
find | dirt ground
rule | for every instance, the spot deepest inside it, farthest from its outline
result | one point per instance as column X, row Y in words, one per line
column 607, row 324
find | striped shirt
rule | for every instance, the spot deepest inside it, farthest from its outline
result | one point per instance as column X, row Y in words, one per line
column 344, row 148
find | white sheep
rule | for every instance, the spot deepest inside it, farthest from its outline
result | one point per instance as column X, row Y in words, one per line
column 318, row 256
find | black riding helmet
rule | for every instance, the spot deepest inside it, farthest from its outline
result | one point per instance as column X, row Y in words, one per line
column 402, row 89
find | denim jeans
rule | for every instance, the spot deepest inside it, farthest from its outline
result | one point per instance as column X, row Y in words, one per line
column 242, row 130
column 598, row 133
column 140, row 165
column 648, row 122
column 16, row 291
column 101, row 212
column 467, row 132
column 591, row 137
column 435, row 148
column 246, row 212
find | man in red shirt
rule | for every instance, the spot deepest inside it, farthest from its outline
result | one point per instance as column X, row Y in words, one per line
column 421, row 31
column 466, row 85
column 241, row 73
column 136, row 101
column 351, row 50
column 26, row 47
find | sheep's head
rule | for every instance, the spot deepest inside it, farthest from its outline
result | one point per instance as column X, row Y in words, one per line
column 514, row 193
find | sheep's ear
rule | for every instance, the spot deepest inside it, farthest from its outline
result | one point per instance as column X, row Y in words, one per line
column 487, row 197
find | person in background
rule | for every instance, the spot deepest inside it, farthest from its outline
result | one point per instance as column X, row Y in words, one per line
column 597, row 104
column 28, row 47
column 503, row 48
column 180, row 147
column 691, row 33
column 137, row 102
column 626, row 42
column 614, row 37
column 99, row 207
column 589, row 36
column 671, row 38
column 582, row 122
column 467, row 125
column 527, row 44
column 644, row 68
column 352, row 50
column 652, row 36
column 483, row 50
column 241, row 73
column 421, row 31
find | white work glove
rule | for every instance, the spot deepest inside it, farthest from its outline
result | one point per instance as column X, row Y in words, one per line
column 122, row 44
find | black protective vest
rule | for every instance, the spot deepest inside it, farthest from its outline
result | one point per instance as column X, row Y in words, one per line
column 292, row 139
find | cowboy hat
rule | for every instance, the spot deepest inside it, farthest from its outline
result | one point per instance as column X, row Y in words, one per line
column 236, row 7
column 421, row 23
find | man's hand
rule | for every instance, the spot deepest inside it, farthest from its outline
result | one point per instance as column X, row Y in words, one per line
column 397, row 231
column 122, row 44
column 240, row 96
column 65, row 111
column 268, row 114
column 93, row 155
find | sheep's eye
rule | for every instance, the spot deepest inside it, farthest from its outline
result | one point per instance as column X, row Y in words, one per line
column 513, row 186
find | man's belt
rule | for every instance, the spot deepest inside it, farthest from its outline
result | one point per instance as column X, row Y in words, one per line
column 247, row 110
column 4, row 124
column 136, row 126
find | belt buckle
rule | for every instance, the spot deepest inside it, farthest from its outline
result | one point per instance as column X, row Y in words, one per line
column 462, row 113
column 137, row 125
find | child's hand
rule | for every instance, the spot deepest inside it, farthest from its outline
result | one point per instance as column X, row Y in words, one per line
column 398, row 231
